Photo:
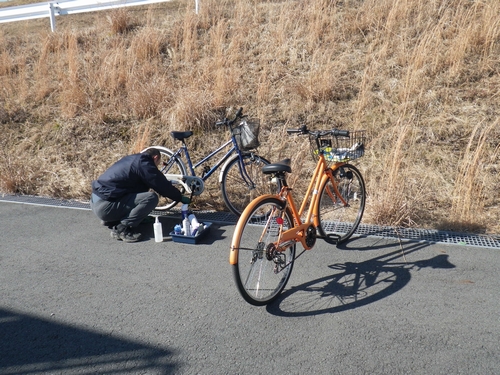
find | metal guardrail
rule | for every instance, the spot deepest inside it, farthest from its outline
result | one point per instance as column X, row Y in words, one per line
column 66, row 7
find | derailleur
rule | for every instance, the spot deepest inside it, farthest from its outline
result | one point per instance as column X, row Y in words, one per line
column 277, row 257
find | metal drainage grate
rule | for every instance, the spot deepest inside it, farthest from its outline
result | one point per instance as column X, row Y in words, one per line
column 427, row 235
column 430, row 235
column 212, row 216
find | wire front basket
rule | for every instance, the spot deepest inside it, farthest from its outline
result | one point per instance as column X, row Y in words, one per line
column 339, row 149
column 247, row 134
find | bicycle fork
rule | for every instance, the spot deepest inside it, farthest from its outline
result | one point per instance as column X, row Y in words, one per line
column 243, row 171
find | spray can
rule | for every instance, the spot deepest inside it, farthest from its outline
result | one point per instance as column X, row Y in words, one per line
column 193, row 222
column 185, row 211
column 158, row 230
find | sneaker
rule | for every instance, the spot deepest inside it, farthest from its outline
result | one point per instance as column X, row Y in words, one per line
column 114, row 234
column 129, row 235
column 126, row 234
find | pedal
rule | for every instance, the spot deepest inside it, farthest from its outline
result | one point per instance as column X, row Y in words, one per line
column 333, row 238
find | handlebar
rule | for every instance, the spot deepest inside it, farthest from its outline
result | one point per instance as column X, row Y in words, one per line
column 228, row 122
column 318, row 133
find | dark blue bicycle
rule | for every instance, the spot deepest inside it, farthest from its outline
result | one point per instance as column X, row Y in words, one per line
column 240, row 178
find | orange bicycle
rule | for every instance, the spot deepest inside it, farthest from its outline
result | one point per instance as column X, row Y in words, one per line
column 264, row 242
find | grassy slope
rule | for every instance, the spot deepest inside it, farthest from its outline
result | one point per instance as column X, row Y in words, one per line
column 421, row 77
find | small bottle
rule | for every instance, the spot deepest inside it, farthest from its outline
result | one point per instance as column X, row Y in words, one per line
column 186, row 227
column 178, row 230
column 158, row 230
column 194, row 224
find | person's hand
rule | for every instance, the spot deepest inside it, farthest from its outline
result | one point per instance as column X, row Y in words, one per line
column 185, row 200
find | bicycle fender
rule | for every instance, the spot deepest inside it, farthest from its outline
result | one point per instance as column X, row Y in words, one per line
column 225, row 166
column 160, row 148
column 323, row 181
column 235, row 242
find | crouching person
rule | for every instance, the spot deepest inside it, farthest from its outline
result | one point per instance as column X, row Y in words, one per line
column 121, row 196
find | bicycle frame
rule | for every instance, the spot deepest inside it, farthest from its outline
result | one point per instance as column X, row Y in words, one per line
column 298, row 233
column 183, row 150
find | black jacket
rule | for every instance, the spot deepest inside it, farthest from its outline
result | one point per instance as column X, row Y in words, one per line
column 133, row 174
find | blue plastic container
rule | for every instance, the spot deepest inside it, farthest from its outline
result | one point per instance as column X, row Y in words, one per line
column 193, row 240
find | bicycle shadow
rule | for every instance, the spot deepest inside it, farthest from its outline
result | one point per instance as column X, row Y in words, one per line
column 354, row 284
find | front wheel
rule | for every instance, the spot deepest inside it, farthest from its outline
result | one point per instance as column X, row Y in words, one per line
column 241, row 183
column 260, row 271
column 339, row 216
column 169, row 165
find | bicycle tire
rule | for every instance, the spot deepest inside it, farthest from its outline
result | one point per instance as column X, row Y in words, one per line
column 177, row 167
column 259, row 272
column 338, row 220
column 238, row 193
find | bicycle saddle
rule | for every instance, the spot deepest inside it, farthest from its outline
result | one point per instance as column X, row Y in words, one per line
column 181, row 135
column 281, row 166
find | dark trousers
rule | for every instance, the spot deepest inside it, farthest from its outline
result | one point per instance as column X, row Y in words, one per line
column 129, row 210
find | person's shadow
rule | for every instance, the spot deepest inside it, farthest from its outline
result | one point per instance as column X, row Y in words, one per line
column 31, row 344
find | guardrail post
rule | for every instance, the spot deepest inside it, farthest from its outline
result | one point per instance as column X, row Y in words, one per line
column 52, row 17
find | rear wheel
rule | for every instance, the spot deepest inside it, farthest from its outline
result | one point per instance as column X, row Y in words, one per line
column 260, row 271
column 339, row 218
column 169, row 165
column 238, row 191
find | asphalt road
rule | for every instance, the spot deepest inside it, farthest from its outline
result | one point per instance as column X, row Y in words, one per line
column 74, row 301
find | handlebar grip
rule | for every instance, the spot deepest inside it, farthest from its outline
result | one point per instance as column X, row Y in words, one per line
column 302, row 130
column 238, row 114
column 342, row 133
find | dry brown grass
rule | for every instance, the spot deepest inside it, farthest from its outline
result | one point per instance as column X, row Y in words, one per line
column 421, row 77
